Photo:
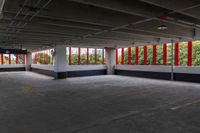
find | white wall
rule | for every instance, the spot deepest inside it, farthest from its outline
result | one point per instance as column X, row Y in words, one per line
column 85, row 67
column 71, row 67
column 45, row 67
column 12, row 66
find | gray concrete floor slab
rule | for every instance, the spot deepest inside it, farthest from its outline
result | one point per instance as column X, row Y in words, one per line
column 34, row 103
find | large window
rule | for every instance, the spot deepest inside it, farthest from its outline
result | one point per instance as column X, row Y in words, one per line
column 169, row 54
column 149, row 55
column 133, row 55
column 74, row 55
column 196, row 53
column 42, row 57
column 184, row 54
column 126, row 56
column 9, row 59
column 141, row 55
column 100, row 56
column 119, row 53
column 159, row 54
column 92, row 56
column 84, row 56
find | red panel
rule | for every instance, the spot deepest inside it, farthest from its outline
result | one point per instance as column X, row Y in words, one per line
column 189, row 53
column 24, row 59
column 176, row 54
column 154, row 54
column 70, row 55
column 87, row 55
column 117, row 56
column 79, row 56
column 145, row 55
column 136, row 55
column 122, row 61
column 129, row 55
column 2, row 59
column 165, row 54
column 17, row 59
column 102, row 56
column 95, row 56
column 9, row 59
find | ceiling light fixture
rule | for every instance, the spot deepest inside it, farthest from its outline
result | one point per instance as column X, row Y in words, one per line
column 162, row 27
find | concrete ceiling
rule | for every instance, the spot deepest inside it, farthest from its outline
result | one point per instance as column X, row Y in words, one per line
column 38, row 24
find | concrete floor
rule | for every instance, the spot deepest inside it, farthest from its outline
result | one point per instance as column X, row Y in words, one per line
column 33, row 103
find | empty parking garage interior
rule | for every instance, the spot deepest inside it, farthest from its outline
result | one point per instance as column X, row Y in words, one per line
column 104, row 66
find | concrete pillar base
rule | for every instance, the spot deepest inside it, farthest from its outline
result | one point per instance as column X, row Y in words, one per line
column 60, row 75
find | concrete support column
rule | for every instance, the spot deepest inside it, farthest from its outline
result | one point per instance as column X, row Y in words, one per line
column 28, row 61
column 110, row 60
column 60, row 61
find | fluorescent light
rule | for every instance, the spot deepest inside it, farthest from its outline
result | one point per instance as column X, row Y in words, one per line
column 162, row 27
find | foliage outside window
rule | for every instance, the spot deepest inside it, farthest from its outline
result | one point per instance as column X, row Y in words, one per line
column 12, row 59
column 196, row 53
column 141, row 55
column 87, row 56
column 119, row 55
column 74, row 52
column 125, row 55
column 159, row 54
column 42, row 57
column 99, row 56
column 133, row 55
column 182, row 54
column 149, row 54
column 83, row 56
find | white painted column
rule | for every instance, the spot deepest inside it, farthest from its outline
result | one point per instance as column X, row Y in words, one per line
column 28, row 61
column 60, row 61
column 110, row 60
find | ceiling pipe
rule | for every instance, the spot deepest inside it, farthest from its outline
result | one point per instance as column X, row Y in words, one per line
column 134, row 23
column 20, row 10
column 36, row 13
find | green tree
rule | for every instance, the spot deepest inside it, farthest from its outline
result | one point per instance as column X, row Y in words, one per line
column 183, row 54
column 159, row 53
column 196, row 53
column 41, row 58
column 149, row 55
column 74, row 59
column 141, row 55
column 99, row 59
column 125, row 55
column 83, row 59
column 169, row 62
column 133, row 55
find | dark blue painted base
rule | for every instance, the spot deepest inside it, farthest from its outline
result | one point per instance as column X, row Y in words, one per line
column 85, row 73
column 61, row 75
column 12, row 69
column 161, row 75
